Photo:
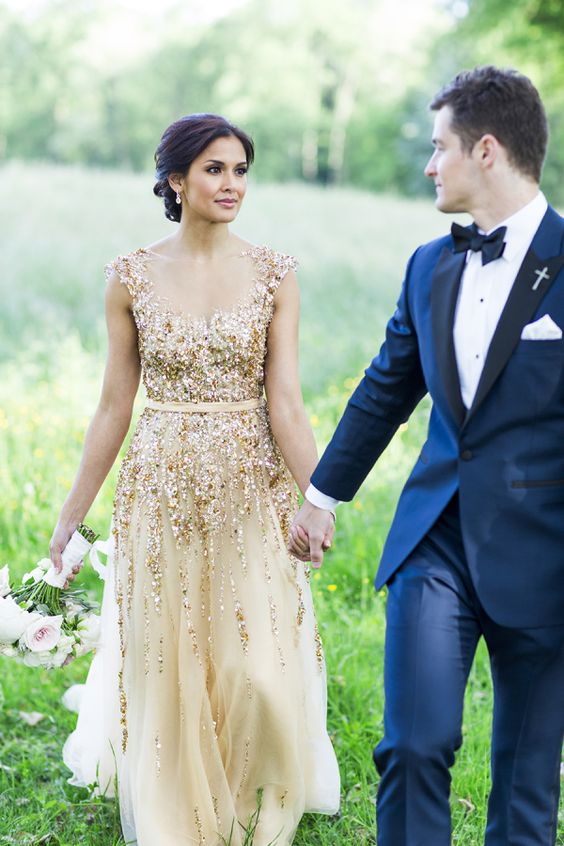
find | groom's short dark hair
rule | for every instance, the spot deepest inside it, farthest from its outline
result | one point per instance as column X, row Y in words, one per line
column 503, row 103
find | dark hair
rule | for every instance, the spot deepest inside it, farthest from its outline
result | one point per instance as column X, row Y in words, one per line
column 182, row 142
column 503, row 103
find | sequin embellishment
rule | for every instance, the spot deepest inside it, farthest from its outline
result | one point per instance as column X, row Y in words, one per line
column 201, row 516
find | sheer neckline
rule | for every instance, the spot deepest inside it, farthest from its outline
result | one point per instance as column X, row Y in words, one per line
column 166, row 306
column 238, row 254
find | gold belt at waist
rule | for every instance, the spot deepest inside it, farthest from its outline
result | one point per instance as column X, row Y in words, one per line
column 199, row 407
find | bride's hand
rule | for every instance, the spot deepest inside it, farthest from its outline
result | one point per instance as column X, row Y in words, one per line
column 59, row 540
column 311, row 534
column 299, row 543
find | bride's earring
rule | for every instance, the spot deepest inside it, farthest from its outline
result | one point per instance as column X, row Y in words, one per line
column 178, row 198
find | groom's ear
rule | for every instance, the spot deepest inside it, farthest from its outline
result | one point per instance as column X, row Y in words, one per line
column 487, row 151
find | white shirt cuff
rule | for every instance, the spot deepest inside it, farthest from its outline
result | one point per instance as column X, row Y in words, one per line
column 321, row 500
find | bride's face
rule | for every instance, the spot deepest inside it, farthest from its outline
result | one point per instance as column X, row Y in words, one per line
column 216, row 181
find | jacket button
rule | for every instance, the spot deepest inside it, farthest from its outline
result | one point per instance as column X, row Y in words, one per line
column 466, row 454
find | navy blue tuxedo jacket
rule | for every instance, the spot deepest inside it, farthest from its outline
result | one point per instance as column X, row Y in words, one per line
column 505, row 455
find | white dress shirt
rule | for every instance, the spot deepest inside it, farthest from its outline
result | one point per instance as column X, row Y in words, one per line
column 483, row 293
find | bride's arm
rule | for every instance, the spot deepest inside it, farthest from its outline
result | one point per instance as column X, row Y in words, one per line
column 288, row 418
column 110, row 423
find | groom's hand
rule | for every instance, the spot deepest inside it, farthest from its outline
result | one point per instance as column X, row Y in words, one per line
column 311, row 533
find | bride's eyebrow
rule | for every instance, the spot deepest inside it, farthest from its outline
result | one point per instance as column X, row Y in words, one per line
column 218, row 162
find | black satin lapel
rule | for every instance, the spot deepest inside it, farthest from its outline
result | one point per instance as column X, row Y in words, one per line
column 526, row 294
column 444, row 294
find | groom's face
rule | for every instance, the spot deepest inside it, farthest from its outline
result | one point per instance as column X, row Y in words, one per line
column 452, row 169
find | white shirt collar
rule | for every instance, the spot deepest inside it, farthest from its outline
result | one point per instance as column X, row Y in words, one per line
column 522, row 225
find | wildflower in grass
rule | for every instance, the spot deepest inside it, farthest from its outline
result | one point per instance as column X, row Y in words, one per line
column 332, row 588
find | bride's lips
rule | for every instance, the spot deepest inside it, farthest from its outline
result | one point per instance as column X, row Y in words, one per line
column 228, row 203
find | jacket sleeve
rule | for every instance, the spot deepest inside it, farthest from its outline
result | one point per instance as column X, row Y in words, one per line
column 392, row 386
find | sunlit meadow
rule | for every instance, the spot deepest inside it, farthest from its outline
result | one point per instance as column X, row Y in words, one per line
column 352, row 248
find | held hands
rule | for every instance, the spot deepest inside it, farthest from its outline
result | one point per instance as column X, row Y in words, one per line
column 311, row 534
column 59, row 540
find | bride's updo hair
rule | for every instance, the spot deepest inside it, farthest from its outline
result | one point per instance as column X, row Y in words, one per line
column 181, row 143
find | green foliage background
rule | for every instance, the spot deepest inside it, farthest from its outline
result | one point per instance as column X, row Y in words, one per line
column 333, row 93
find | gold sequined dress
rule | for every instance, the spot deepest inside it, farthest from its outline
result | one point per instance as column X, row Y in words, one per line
column 213, row 689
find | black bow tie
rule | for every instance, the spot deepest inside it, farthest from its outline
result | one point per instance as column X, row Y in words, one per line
column 468, row 238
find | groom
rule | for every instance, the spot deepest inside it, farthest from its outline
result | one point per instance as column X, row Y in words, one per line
column 476, row 548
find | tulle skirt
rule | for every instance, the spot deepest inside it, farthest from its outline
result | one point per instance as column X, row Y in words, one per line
column 206, row 701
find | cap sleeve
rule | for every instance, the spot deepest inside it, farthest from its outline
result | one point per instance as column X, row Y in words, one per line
column 274, row 267
column 283, row 263
column 130, row 271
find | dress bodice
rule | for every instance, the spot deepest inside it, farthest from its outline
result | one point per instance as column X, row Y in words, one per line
column 215, row 358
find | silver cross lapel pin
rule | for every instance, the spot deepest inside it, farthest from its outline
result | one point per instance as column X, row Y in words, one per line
column 541, row 275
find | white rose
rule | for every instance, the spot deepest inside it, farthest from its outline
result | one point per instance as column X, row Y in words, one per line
column 64, row 649
column 13, row 620
column 4, row 581
column 44, row 564
column 36, row 575
column 43, row 634
column 89, row 634
column 38, row 659
column 73, row 609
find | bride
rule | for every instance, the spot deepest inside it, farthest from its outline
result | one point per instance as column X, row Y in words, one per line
column 206, row 703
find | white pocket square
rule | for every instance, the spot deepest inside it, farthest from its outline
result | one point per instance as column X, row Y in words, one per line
column 544, row 329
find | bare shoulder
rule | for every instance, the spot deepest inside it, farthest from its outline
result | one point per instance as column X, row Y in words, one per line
column 241, row 245
column 163, row 248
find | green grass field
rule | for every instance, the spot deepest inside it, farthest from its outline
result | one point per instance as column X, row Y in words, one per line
column 60, row 225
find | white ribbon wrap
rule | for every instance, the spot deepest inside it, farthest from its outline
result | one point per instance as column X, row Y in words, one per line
column 102, row 546
column 73, row 554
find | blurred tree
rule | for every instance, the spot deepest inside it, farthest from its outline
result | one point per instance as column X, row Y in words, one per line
column 332, row 92
column 36, row 77
column 305, row 77
column 529, row 36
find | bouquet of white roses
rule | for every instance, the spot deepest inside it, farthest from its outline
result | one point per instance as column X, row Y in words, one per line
column 41, row 624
